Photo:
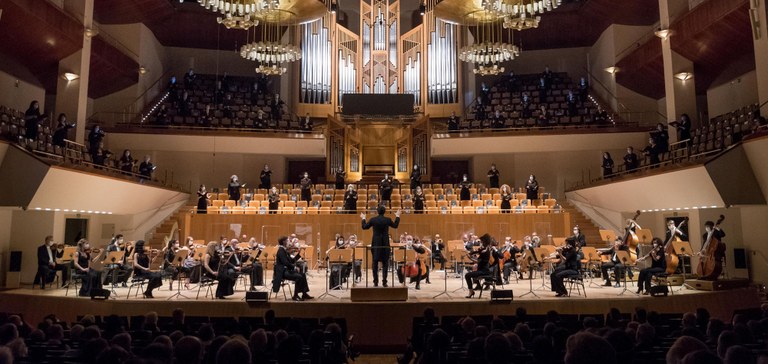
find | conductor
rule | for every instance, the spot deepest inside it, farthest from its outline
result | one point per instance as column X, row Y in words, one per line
column 380, row 241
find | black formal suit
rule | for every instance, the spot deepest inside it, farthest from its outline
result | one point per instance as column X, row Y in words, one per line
column 380, row 243
column 615, row 263
column 46, row 272
column 285, row 269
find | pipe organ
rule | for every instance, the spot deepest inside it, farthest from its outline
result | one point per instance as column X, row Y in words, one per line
column 379, row 24
column 347, row 61
column 315, row 63
column 442, row 68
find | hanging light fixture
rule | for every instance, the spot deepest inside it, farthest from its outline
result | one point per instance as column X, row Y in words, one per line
column 241, row 14
column 270, row 51
column 519, row 14
column 489, row 49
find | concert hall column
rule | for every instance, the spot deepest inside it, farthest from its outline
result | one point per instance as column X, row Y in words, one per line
column 680, row 91
column 72, row 96
column 759, row 23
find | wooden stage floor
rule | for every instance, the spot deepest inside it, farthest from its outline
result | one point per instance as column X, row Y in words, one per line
column 378, row 326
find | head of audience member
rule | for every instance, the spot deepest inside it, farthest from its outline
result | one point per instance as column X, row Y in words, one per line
column 112, row 355
column 645, row 335
column 234, row 351
column 584, row 347
column 683, row 346
column 701, row 357
column 289, row 349
column 157, row 353
column 738, row 354
column 8, row 333
column 714, row 328
column 188, row 350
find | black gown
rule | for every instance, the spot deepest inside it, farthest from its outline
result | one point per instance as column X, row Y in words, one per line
column 350, row 202
column 306, row 190
column 202, row 202
column 266, row 179
column 532, row 190
column 274, row 203
column 464, row 194
column 233, row 190
column 154, row 278
column 340, row 176
column 415, row 179
column 386, row 190
column 494, row 178
column 505, row 205
column 418, row 203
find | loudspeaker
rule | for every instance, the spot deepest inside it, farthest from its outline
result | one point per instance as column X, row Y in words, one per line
column 256, row 296
column 378, row 294
column 100, row 294
column 739, row 258
column 501, row 295
column 658, row 291
column 15, row 263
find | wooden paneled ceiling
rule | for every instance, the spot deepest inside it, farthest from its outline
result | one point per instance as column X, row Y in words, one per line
column 712, row 36
column 37, row 35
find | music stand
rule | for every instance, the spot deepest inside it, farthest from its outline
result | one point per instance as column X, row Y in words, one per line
column 608, row 236
column 683, row 249
column 114, row 258
column 460, row 258
column 445, row 283
column 644, row 235
column 359, row 254
column 593, row 257
column 530, row 278
column 623, row 257
column 334, row 256
column 253, row 257
column 178, row 262
column 542, row 254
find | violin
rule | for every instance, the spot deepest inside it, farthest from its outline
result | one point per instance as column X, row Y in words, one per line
column 651, row 253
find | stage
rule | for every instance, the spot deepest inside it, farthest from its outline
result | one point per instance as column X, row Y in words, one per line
column 379, row 327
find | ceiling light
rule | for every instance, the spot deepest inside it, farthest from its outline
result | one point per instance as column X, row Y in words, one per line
column 684, row 76
column 612, row 70
column 90, row 33
column 69, row 76
column 663, row 33
column 142, row 70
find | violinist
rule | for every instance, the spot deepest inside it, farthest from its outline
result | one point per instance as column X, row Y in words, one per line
column 510, row 252
column 569, row 265
column 216, row 265
column 274, row 200
column 285, row 269
column 437, row 251
column 350, row 199
column 191, row 264
column 141, row 268
column 255, row 268
column 123, row 270
column 535, row 240
column 46, row 262
column 306, row 188
column 385, row 190
column 169, row 254
column 581, row 240
column 658, row 265
column 294, row 248
column 339, row 270
column 614, row 262
column 82, row 264
column 483, row 260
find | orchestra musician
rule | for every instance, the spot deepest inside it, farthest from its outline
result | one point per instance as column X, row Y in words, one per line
column 465, row 185
column 265, row 178
column 141, row 268
column 81, row 262
column 510, row 253
column 506, row 197
column 569, row 265
column 274, row 200
column 250, row 264
column 532, row 188
column 285, row 269
column 437, row 251
column 527, row 257
column 493, row 176
column 385, row 189
column 415, row 177
column 217, row 266
column 482, row 264
column 233, row 188
column 418, row 200
column 674, row 230
column 658, row 265
column 581, row 240
column 352, row 243
column 713, row 234
column 339, row 271
column 380, row 241
column 191, row 264
column 420, row 249
column 169, row 254
column 350, row 199
column 535, row 240
column 124, row 270
column 294, row 247
column 341, row 175
column 614, row 262
column 46, row 263
column 306, row 188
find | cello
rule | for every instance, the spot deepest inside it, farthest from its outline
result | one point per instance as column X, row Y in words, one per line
column 712, row 253
column 630, row 238
column 669, row 251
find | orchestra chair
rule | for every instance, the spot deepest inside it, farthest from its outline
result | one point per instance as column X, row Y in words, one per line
column 486, row 281
column 465, row 203
column 543, row 209
column 217, row 203
column 432, row 210
column 289, row 203
column 213, row 210
column 325, row 203
column 478, row 203
column 138, row 283
column 467, row 210
column 283, row 285
column 661, row 279
column 75, row 281
column 495, row 210
column 205, row 282
column 324, row 210
column 576, row 280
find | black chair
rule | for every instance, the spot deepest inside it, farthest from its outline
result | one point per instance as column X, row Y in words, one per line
column 138, row 283
column 575, row 280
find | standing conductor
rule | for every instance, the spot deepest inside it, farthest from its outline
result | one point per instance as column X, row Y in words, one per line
column 380, row 241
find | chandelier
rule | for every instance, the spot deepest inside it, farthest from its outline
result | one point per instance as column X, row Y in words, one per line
column 491, row 47
column 241, row 14
column 519, row 14
column 270, row 51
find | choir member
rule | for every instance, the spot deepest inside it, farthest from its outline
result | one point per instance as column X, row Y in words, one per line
column 202, row 200
column 350, row 199
column 532, row 188
column 274, row 200
column 265, row 177
column 233, row 188
column 341, row 176
column 493, row 176
column 415, row 177
column 385, row 189
column 506, row 197
column 62, row 131
column 607, row 164
column 630, row 160
column 465, row 185
column 418, row 200
column 32, row 120
column 146, row 168
column 306, row 188
column 127, row 161
column 453, row 122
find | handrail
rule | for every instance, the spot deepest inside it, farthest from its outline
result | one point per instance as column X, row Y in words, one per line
column 131, row 107
column 595, row 79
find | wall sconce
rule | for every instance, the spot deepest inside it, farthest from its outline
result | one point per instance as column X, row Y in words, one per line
column 334, row 8
column 612, row 70
column 684, row 76
column 422, row 9
column 142, row 70
column 90, row 33
column 69, row 76
column 664, row 34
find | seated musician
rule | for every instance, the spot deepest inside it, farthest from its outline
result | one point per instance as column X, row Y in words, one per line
column 658, row 265
column 82, row 267
column 482, row 268
column 527, row 260
column 352, row 243
column 169, row 254
column 119, row 271
column 47, row 265
column 217, row 265
column 295, row 245
column 250, row 264
column 614, row 262
column 422, row 270
column 535, row 240
column 437, row 251
column 569, row 265
column 510, row 253
column 339, row 270
column 141, row 268
column 285, row 269
column 192, row 264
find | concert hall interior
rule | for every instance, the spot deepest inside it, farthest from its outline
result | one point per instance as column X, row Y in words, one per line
column 373, row 163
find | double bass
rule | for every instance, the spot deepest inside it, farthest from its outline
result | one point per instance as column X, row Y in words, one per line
column 411, row 269
column 630, row 238
column 712, row 253
column 669, row 251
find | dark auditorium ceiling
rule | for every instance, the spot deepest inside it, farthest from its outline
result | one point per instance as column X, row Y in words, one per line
column 48, row 36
